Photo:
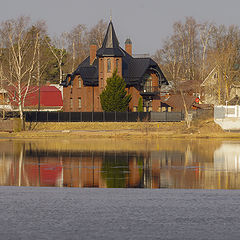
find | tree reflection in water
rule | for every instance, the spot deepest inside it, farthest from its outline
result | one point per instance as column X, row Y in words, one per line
column 115, row 170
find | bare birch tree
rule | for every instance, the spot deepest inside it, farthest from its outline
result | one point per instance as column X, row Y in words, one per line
column 97, row 33
column 169, row 59
column 206, row 30
column 58, row 50
column 187, row 35
column 77, row 46
column 180, row 52
column 21, row 49
column 224, row 55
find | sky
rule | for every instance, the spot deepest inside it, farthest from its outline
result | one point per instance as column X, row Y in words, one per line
column 146, row 22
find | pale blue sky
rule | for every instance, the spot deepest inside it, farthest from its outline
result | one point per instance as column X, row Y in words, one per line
column 147, row 22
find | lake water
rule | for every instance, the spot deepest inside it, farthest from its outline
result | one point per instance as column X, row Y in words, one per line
column 63, row 199
column 195, row 164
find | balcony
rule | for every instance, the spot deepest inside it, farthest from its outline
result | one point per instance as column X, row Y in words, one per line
column 149, row 91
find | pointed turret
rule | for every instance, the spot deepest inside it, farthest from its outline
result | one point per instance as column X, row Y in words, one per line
column 110, row 46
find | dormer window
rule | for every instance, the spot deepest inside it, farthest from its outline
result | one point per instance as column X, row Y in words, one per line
column 109, row 65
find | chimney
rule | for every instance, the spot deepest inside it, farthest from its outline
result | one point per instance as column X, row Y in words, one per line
column 93, row 51
column 128, row 46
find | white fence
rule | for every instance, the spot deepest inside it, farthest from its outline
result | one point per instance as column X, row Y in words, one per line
column 228, row 117
column 221, row 112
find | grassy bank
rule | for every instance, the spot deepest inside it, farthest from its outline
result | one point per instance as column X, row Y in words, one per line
column 199, row 129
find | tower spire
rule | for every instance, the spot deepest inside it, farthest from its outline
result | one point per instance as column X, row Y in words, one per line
column 110, row 45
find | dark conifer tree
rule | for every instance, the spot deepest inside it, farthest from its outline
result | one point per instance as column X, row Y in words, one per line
column 114, row 97
column 140, row 105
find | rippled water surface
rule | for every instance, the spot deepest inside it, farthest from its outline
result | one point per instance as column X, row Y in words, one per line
column 198, row 164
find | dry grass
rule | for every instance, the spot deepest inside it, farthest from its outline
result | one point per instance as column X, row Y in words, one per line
column 99, row 126
column 199, row 129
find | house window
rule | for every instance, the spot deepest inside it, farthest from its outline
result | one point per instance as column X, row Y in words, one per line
column 109, row 65
column 117, row 64
column 147, row 84
column 163, row 109
column 71, row 103
column 169, row 109
column 135, row 109
column 79, row 83
column 79, row 102
column 101, row 65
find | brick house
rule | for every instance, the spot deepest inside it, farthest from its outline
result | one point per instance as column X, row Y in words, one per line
column 143, row 77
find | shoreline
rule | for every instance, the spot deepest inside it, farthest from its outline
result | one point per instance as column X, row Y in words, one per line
column 203, row 129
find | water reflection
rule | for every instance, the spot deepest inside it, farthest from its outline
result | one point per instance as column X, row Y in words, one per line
column 165, row 164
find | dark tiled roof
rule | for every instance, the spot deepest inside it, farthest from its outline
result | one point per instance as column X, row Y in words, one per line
column 133, row 69
column 89, row 73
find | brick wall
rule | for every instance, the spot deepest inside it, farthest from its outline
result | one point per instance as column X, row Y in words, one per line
column 104, row 74
column 91, row 95
column 135, row 97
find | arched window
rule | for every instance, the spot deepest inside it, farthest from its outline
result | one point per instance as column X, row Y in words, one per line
column 101, row 65
column 147, row 83
column 117, row 64
column 109, row 65
column 79, row 102
column 79, row 83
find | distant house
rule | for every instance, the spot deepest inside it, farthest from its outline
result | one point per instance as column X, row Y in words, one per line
column 234, row 101
column 213, row 88
column 142, row 75
column 175, row 103
column 210, row 87
column 190, row 87
column 47, row 98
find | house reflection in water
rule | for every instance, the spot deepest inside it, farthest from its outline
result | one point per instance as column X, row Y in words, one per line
column 227, row 164
column 227, row 157
column 185, row 166
column 84, row 169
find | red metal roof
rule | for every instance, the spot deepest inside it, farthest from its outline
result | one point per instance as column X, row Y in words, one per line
column 50, row 96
